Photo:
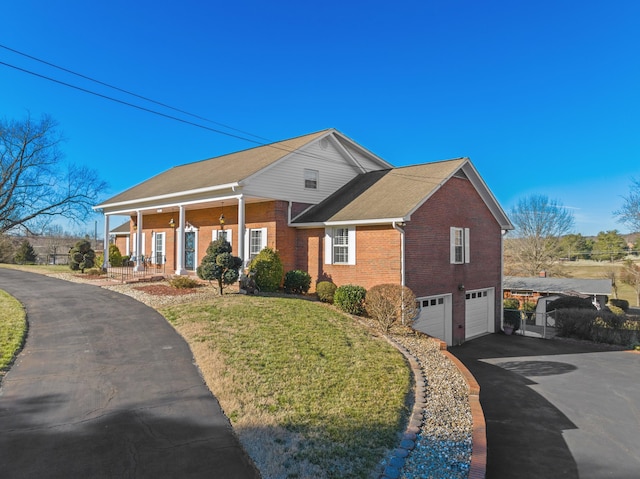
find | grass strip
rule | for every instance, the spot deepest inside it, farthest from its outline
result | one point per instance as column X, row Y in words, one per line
column 310, row 392
column 13, row 327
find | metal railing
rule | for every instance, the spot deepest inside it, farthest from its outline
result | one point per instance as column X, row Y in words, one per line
column 148, row 268
column 532, row 323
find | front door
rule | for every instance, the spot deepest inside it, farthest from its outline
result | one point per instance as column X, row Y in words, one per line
column 190, row 250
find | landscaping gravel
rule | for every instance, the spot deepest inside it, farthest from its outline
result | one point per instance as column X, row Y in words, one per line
column 443, row 446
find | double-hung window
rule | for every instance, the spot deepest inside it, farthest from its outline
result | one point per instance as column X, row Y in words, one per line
column 311, row 179
column 158, row 249
column 459, row 242
column 255, row 241
column 340, row 245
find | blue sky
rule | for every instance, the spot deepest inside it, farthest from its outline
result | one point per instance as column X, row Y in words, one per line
column 544, row 96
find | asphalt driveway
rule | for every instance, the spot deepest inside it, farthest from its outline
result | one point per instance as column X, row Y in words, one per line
column 105, row 388
column 557, row 409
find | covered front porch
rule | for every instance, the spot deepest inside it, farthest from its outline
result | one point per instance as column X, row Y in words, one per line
column 169, row 239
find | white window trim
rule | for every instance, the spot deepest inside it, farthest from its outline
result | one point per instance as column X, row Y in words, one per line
column 466, row 255
column 229, row 233
column 247, row 236
column 328, row 245
column 154, row 253
column 311, row 175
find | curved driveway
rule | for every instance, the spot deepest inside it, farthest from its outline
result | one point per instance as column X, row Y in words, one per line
column 105, row 388
column 556, row 409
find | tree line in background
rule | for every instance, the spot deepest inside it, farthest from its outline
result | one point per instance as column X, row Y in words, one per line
column 542, row 241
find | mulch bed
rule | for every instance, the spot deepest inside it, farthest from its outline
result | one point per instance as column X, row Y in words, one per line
column 165, row 290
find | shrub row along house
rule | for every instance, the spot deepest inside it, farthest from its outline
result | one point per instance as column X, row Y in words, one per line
column 334, row 209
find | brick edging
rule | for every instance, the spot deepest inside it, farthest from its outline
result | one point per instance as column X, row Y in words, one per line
column 408, row 440
column 478, row 466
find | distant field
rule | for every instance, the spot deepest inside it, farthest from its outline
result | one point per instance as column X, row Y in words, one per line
column 600, row 270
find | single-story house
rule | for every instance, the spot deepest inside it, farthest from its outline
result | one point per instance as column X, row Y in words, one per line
column 531, row 289
column 336, row 210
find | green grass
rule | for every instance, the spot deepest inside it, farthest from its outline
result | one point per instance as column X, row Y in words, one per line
column 13, row 326
column 599, row 270
column 295, row 365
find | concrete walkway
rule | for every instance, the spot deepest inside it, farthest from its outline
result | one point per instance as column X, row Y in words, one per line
column 105, row 388
column 556, row 409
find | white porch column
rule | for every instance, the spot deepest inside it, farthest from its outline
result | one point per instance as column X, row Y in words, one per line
column 139, row 265
column 241, row 229
column 105, row 262
column 180, row 243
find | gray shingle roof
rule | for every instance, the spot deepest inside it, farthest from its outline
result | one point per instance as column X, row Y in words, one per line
column 221, row 170
column 384, row 194
column 558, row 285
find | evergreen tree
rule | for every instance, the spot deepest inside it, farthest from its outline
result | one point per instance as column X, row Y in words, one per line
column 25, row 253
column 219, row 264
column 609, row 246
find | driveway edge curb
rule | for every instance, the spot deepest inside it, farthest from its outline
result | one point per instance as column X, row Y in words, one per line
column 478, row 467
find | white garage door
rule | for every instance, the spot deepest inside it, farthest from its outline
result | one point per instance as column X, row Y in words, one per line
column 478, row 312
column 435, row 317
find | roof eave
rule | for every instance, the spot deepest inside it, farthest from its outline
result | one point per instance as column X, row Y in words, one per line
column 167, row 196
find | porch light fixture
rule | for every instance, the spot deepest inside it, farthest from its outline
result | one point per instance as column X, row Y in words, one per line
column 461, row 287
column 221, row 219
column 172, row 224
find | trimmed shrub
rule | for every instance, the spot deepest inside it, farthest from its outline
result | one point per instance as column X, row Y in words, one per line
column 115, row 257
column 350, row 298
column 570, row 302
column 268, row 270
column 81, row 256
column 389, row 303
column 620, row 303
column 183, row 282
column 297, row 282
column 616, row 310
column 598, row 326
column 511, row 303
column 219, row 264
column 325, row 291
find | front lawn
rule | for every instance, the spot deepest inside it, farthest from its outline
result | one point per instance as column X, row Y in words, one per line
column 309, row 391
column 13, row 326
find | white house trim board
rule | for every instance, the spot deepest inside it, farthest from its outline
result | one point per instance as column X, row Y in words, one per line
column 168, row 195
column 171, row 206
column 370, row 222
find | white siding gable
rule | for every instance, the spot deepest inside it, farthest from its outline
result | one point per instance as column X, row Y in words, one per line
column 285, row 179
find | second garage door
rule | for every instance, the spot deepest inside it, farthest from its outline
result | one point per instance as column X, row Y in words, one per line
column 479, row 307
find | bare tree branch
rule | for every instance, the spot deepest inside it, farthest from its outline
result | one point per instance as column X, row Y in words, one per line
column 629, row 214
column 34, row 181
column 539, row 224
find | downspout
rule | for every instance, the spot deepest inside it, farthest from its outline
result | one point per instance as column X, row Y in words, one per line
column 504, row 232
column 399, row 228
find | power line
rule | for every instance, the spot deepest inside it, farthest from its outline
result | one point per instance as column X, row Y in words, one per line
column 164, row 115
column 122, row 90
column 148, row 110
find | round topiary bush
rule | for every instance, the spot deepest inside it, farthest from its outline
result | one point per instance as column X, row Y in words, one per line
column 325, row 291
column 297, row 282
column 268, row 270
column 350, row 299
